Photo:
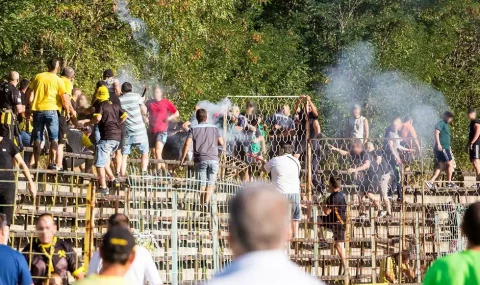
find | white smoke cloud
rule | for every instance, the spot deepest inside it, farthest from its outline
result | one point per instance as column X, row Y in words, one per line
column 384, row 95
column 138, row 27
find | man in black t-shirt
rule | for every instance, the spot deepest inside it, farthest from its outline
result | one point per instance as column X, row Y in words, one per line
column 473, row 146
column 8, row 153
column 335, row 211
column 10, row 106
column 365, row 171
column 109, row 118
column 384, row 170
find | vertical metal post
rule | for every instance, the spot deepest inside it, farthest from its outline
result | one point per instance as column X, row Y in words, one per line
column 400, row 247
column 174, row 239
column 437, row 235
column 89, row 224
column 315, row 240
column 215, row 242
column 372, row 240
column 347, row 242
column 417, row 248
column 459, row 231
column 308, row 160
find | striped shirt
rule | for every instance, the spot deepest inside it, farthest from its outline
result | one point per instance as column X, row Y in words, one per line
column 134, row 125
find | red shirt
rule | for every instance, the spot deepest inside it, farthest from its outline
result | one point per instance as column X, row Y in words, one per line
column 158, row 112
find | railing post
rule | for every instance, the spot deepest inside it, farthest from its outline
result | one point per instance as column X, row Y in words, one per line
column 347, row 241
column 89, row 224
column 417, row 247
column 214, row 219
column 315, row 240
column 174, row 239
column 400, row 246
column 372, row 240
column 459, row 230
column 437, row 235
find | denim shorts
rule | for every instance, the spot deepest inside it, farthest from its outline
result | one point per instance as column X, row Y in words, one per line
column 104, row 151
column 206, row 171
column 141, row 142
column 153, row 138
column 294, row 200
column 42, row 119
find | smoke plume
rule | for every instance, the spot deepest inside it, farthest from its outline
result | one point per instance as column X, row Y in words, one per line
column 138, row 27
column 383, row 95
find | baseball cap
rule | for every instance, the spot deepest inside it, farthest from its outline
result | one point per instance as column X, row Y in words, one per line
column 117, row 245
column 102, row 93
column 108, row 73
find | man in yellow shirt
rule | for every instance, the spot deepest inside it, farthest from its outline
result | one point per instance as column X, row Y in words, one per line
column 117, row 252
column 43, row 92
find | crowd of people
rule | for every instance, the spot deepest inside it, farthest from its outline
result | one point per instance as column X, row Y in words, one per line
column 50, row 115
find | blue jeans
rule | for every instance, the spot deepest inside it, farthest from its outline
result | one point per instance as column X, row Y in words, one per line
column 42, row 119
column 141, row 142
column 206, row 171
column 105, row 148
column 26, row 141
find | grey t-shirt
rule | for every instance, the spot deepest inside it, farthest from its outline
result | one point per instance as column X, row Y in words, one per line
column 205, row 142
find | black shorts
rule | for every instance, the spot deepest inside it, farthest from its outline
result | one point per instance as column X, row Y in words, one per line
column 443, row 156
column 337, row 229
column 62, row 129
column 475, row 152
column 369, row 185
column 7, row 199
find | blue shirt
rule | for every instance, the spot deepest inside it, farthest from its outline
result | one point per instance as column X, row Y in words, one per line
column 13, row 268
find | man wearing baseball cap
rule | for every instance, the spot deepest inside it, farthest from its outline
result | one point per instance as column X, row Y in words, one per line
column 118, row 252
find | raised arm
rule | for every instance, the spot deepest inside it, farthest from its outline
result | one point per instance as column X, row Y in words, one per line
column 340, row 151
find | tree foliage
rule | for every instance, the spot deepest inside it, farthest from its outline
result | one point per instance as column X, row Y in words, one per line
column 209, row 49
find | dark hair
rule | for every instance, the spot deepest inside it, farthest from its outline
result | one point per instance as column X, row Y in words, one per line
column 407, row 118
column 471, row 110
column 471, row 224
column 52, row 64
column 335, row 182
column 201, row 115
column 107, row 73
column 3, row 220
column 287, row 149
column 119, row 219
column 250, row 104
column 126, row 87
column 357, row 142
column 405, row 255
column 448, row 114
column 24, row 83
column 100, row 83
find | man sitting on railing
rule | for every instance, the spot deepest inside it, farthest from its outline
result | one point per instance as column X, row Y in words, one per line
column 78, row 142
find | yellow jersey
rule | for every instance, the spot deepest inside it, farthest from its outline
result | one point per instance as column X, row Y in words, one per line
column 68, row 90
column 47, row 87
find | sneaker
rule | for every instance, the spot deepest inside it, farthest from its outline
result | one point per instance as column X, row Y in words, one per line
column 430, row 185
column 114, row 183
column 381, row 214
column 52, row 167
column 399, row 200
column 452, row 185
column 103, row 191
column 323, row 244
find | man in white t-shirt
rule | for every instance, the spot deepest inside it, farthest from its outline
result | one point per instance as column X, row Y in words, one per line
column 285, row 171
column 143, row 268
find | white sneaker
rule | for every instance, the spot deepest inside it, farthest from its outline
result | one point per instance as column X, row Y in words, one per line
column 381, row 214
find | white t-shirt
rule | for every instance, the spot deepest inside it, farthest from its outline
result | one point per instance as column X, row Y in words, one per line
column 285, row 172
column 143, row 268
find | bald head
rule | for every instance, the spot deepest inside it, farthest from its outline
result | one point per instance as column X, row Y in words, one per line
column 259, row 219
column 13, row 77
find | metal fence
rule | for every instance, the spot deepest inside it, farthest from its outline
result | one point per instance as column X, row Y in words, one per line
column 188, row 241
